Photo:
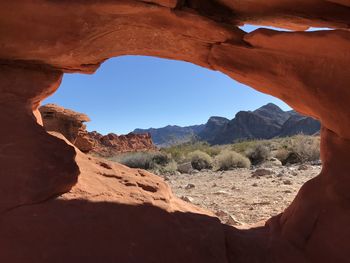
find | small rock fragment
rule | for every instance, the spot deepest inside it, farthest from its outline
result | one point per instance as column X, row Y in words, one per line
column 190, row 186
column 303, row 167
column 287, row 182
column 187, row 199
column 185, row 168
column 261, row 172
column 232, row 221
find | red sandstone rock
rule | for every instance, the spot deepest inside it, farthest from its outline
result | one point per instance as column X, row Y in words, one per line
column 34, row 166
column 117, row 214
column 71, row 125
column 285, row 64
column 111, row 144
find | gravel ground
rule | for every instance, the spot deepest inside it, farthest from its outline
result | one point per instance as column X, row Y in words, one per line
column 243, row 196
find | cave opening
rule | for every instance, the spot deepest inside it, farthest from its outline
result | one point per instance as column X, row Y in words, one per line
column 60, row 205
column 219, row 144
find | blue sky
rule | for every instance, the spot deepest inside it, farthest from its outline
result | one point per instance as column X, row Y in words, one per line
column 141, row 92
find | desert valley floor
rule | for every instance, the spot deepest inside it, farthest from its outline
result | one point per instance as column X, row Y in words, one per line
column 241, row 196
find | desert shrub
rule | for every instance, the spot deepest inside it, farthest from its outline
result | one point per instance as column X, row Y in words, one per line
column 227, row 160
column 258, row 153
column 181, row 152
column 282, row 154
column 144, row 160
column 160, row 158
column 200, row 160
column 169, row 168
column 136, row 160
column 242, row 146
column 307, row 147
column 299, row 148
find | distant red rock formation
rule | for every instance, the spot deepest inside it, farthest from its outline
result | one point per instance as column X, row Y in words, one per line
column 71, row 125
column 111, row 143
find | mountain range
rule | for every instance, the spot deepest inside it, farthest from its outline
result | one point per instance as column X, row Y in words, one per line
column 266, row 122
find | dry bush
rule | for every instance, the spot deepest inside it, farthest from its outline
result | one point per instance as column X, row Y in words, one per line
column 144, row 160
column 307, row 147
column 200, row 160
column 181, row 152
column 169, row 168
column 282, row 154
column 257, row 154
column 227, row 160
column 299, row 148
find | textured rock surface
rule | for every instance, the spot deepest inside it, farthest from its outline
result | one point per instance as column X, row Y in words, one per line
column 112, row 214
column 265, row 122
column 27, row 153
column 171, row 134
column 111, row 144
column 109, row 216
column 69, row 123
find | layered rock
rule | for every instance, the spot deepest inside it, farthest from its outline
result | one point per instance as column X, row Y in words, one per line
column 112, row 144
column 71, row 125
column 172, row 134
column 297, row 124
column 34, row 166
column 110, row 213
column 266, row 122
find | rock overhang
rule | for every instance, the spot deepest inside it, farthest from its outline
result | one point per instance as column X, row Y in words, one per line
column 41, row 40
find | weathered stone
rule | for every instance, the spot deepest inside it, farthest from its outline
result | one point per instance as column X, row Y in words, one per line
column 292, row 158
column 261, row 172
column 287, row 182
column 69, row 123
column 113, row 212
column 189, row 186
column 34, row 166
column 185, row 168
column 112, row 144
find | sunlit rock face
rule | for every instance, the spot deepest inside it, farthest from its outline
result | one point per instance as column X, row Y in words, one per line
column 113, row 144
column 58, row 205
column 71, row 125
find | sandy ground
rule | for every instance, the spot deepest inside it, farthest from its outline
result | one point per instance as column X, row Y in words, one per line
column 239, row 198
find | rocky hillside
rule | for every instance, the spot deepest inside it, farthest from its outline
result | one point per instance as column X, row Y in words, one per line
column 172, row 134
column 264, row 123
column 71, row 124
column 112, row 144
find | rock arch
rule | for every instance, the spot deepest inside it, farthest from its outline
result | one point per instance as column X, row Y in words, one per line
column 48, row 186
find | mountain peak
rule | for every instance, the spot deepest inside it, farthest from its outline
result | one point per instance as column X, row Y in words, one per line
column 269, row 107
column 218, row 119
column 265, row 122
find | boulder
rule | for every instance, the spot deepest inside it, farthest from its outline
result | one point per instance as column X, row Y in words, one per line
column 262, row 172
column 69, row 123
column 185, row 168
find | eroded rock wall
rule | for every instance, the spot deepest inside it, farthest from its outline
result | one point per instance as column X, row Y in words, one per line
column 71, row 125
column 28, row 154
column 113, row 144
